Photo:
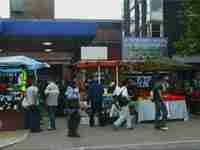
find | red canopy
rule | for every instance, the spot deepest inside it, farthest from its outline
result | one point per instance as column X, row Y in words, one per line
column 95, row 64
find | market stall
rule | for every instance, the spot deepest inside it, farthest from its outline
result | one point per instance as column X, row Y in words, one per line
column 142, row 72
column 13, row 82
column 107, row 72
column 176, row 107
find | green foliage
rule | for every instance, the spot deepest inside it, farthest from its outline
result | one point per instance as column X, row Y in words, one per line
column 190, row 43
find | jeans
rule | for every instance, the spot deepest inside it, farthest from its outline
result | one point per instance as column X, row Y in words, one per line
column 73, row 121
column 96, row 109
column 27, row 118
column 34, row 119
column 52, row 116
column 125, row 115
column 161, row 111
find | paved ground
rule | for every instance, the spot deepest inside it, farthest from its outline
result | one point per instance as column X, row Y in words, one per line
column 106, row 138
column 12, row 137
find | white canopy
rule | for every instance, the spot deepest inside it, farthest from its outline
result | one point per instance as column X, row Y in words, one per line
column 16, row 61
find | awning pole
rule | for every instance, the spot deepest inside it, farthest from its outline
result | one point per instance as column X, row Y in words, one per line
column 117, row 74
column 35, row 74
column 99, row 74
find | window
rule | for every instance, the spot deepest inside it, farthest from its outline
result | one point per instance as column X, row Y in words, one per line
column 17, row 8
column 155, row 30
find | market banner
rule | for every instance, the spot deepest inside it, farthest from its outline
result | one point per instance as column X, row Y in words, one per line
column 144, row 47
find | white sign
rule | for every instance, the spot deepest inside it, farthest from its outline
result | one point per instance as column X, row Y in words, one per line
column 94, row 53
column 4, row 9
column 88, row 9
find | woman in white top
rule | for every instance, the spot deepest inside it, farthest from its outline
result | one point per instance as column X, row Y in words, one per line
column 122, row 92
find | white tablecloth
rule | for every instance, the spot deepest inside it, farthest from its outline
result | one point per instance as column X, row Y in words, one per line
column 176, row 110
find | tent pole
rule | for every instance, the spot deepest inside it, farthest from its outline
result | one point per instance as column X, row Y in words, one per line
column 117, row 74
column 35, row 74
column 99, row 74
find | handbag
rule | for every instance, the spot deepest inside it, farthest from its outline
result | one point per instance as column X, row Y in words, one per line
column 122, row 100
column 25, row 102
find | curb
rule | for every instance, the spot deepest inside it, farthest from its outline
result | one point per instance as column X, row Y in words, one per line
column 17, row 140
column 119, row 147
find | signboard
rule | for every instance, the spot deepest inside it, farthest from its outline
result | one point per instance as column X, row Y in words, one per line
column 94, row 53
column 143, row 81
column 144, row 47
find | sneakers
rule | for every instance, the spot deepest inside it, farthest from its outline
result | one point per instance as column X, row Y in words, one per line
column 74, row 135
column 164, row 128
column 51, row 129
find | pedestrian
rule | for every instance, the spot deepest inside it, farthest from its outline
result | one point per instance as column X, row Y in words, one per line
column 33, row 110
column 73, row 109
column 95, row 96
column 121, row 96
column 52, row 93
column 160, row 107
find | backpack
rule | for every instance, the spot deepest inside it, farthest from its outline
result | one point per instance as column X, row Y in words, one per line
column 122, row 100
column 72, row 101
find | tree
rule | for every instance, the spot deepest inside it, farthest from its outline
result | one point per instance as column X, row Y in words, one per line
column 189, row 44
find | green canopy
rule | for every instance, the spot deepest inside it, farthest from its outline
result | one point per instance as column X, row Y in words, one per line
column 154, row 64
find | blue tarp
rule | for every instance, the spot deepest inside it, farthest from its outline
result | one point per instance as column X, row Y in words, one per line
column 17, row 61
column 48, row 28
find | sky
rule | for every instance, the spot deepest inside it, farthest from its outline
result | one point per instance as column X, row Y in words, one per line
column 79, row 9
column 4, row 9
column 89, row 9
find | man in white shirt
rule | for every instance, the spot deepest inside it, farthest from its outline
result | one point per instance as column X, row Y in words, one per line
column 52, row 92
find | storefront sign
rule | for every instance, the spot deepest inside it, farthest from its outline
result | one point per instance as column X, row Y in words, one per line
column 144, row 47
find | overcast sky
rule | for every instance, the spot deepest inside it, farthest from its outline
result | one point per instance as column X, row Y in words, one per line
column 88, row 9
column 4, row 9
column 79, row 9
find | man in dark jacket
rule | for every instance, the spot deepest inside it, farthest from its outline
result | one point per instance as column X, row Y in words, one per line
column 95, row 94
column 160, row 107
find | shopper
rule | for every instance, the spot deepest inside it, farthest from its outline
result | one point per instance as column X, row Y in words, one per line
column 52, row 92
column 34, row 114
column 73, row 109
column 160, row 107
column 95, row 96
column 122, row 98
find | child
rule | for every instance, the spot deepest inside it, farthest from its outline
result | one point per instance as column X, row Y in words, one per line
column 132, row 119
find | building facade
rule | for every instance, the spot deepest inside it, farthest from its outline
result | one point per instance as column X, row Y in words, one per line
column 173, row 23
column 31, row 28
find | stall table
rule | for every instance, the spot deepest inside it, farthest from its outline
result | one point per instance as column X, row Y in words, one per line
column 176, row 110
column 11, row 120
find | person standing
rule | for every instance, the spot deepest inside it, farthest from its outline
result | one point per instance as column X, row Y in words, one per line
column 160, row 107
column 95, row 95
column 34, row 113
column 73, row 109
column 52, row 92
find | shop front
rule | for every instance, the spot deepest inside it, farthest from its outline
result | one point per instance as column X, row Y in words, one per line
column 56, row 42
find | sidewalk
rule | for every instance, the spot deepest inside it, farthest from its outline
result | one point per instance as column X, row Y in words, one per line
column 144, row 133
column 8, row 138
